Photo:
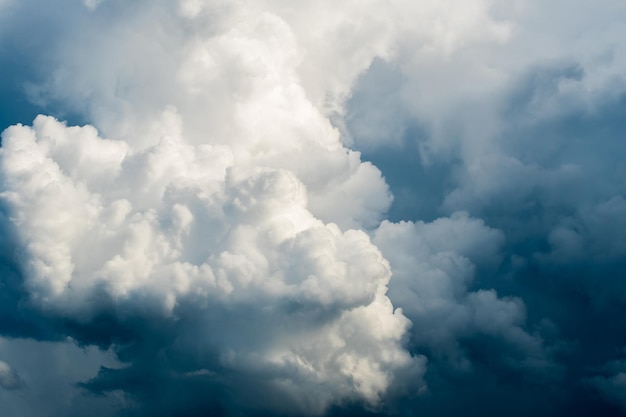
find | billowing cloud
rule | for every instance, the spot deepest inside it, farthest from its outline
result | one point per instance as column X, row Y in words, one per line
column 185, row 236
column 268, row 208
column 434, row 265
column 200, row 230
column 523, row 132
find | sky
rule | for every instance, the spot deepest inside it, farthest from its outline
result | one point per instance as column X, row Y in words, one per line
column 375, row 208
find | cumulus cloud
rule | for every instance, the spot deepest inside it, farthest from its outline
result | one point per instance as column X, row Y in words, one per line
column 208, row 211
column 434, row 265
column 515, row 114
column 522, row 129
column 211, row 222
column 175, row 229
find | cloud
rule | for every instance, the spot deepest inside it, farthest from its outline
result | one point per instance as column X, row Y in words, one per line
column 48, row 374
column 613, row 383
column 264, row 208
column 434, row 265
column 179, row 234
column 204, row 229
column 522, row 132
column 92, row 4
column 9, row 379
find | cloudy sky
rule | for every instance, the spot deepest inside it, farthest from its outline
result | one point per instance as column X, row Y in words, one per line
column 312, row 208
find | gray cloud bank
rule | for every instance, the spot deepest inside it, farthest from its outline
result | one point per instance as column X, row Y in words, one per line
column 262, row 208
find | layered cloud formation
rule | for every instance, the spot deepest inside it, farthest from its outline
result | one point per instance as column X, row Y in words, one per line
column 213, row 216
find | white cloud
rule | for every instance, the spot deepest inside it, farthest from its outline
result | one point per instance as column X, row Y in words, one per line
column 178, row 226
column 214, row 203
column 218, row 194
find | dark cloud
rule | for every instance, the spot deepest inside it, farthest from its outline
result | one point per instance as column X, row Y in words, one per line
column 552, row 183
column 9, row 379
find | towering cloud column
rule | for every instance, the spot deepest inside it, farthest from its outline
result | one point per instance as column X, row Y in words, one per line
column 209, row 240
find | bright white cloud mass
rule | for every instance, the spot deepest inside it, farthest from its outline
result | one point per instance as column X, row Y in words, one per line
column 312, row 208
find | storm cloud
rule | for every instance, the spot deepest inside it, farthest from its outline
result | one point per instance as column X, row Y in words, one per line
column 269, row 208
